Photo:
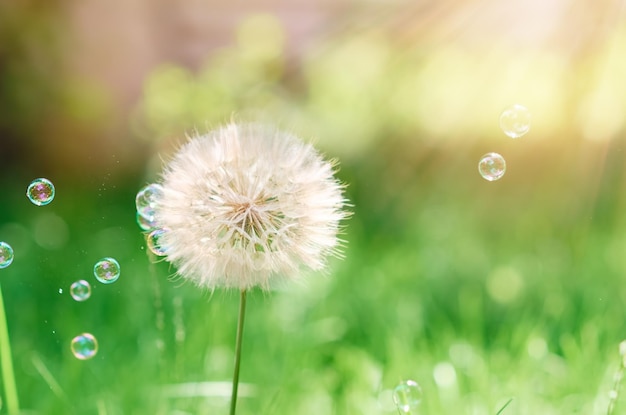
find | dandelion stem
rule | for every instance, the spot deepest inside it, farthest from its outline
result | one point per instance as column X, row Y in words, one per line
column 8, row 376
column 242, row 313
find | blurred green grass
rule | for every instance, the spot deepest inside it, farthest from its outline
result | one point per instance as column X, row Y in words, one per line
column 481, row 292
column 517, row 286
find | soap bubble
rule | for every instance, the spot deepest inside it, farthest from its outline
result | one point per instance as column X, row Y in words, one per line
column 407, row 396
column 515, row 121
column 145, row 224
column 84, row 346
column 80, row 290
column 146, row 200
column 40, row 192
column 492, row 166
column 107, row 270
column 6, row 255
column 154, row 244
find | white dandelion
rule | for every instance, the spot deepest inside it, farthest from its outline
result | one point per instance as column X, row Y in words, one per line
column 247, row 205
column 244, row 206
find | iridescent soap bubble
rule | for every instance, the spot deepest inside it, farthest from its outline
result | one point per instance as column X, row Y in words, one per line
column 146, row 200
column 145, row 224
column 492, row 166
column 6, row 255
column 515, row 121
column 107, row 270
column 40, row 192
column 154, row 244
column 84, row 346
column 80, row 290
column 407, row 396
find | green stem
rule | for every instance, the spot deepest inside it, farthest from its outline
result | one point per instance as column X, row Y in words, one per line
column 505, row 405
column 242, row 313
column 8, row 376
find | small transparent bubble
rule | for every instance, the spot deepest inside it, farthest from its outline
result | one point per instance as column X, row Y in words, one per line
column 80, row 290
column 492, row 166
column 60, row 290
column 515, row 121
column 154, row 244
column 107, row 270
column 6, row 255
column 146, row 200
column 40, row 192
column 84, row 346
column 407, row 396
column 145, row 224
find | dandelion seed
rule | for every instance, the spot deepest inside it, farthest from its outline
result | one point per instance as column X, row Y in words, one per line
column 246, row 205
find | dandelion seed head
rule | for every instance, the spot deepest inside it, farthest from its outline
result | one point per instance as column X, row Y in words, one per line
column 245, row 205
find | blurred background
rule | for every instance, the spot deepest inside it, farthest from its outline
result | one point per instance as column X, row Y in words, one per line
column 479, row 291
